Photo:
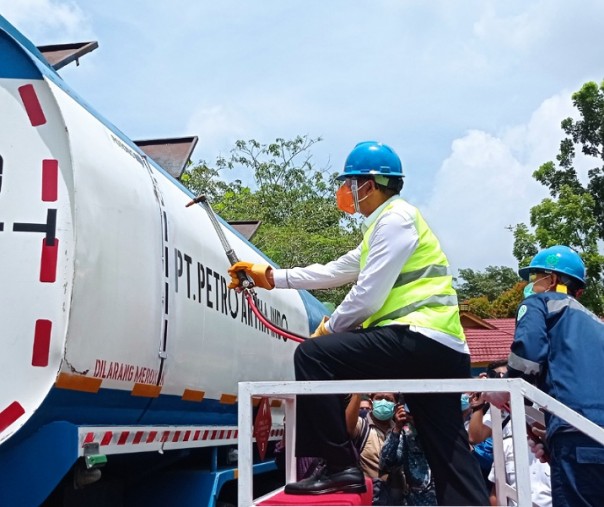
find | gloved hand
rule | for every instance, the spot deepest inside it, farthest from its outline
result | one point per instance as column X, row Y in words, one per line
column 258, row 273
column 321, row 329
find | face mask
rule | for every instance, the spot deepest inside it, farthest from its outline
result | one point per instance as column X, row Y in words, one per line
column 529, row 290
column 465, row 402
column 364, row 411
column 383, row 409
column 534, row 278
column 347, row 197
column 344, row 199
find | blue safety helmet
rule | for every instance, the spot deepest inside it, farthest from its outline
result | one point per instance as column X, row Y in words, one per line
column 372, row 158
column 557, row 259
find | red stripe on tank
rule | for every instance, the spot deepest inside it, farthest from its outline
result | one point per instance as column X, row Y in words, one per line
column 48, row 263
column 50, row 180
column 41, row 349
column 10, row 414
column 32, row 105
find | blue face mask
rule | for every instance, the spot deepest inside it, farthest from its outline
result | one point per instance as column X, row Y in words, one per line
column 528, row 290
column 383, row 410
column 465, row 402
column 364, row 411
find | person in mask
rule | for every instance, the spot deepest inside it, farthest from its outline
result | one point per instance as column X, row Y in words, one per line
column 399, row 320
column 559, row 346
column 365, row 406
column 409, row 480
column 368, row 433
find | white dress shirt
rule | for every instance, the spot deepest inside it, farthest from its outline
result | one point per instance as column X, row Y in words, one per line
column 541, row 489
column 392, row 241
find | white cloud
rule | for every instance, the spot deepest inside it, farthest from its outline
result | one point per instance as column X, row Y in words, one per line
column 218, row 127
column 414, row 74
column 45, row 20
column 537, row 141
column 249, row 117
column 252, row 113
column 486, row 185
column 518, row 30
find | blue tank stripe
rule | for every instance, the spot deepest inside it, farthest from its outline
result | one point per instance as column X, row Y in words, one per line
column 16, row 64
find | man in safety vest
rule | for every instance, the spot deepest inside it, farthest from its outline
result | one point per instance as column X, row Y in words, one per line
column 559, row 346
column 400, row 320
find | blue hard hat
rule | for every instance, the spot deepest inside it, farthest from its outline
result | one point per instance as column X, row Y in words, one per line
column 558, row 259
column 372, row 158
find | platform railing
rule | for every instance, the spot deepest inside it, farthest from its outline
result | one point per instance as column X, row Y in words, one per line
column 519, row 391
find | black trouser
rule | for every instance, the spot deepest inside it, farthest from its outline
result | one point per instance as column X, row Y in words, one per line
column 390, row 352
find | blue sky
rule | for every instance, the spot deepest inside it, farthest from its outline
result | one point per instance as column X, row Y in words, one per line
column 469, row 93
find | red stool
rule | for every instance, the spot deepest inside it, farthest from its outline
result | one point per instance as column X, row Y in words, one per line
column 331, row 499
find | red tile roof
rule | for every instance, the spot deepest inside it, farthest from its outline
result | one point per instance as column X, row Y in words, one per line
column 491, row 342
column 508, row 325
column 488, row 339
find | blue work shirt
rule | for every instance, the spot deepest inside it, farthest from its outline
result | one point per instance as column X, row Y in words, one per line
column 559, row 346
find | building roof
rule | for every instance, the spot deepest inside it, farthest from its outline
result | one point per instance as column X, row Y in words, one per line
column 508, row 325
column 488, row 339
column 488, row 345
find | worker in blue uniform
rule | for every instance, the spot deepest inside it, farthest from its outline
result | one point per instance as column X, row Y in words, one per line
column 559, row 346
column 399, row 320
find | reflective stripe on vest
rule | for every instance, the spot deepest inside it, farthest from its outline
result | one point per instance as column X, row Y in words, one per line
column 423, row 293
column 427, row 272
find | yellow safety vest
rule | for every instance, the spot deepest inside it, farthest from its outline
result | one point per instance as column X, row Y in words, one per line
column 423, row 294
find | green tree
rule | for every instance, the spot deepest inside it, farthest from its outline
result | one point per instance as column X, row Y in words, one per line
column 524, row 244
column 480, row 306
column 491, row 283
column 574, row 214
column 202, row 179
column 506, row 304
column 494, row 293
column 293, row 200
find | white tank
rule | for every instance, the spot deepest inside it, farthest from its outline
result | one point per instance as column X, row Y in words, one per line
column 114, row 308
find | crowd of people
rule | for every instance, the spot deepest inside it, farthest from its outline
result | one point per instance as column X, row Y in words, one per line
column 400, row 320
column 390, row 454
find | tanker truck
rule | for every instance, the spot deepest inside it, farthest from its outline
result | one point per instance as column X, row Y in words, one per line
column 121, row 344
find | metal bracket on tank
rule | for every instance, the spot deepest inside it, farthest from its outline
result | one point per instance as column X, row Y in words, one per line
column 92, row 456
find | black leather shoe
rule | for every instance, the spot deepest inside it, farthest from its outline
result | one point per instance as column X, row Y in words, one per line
column 350, row 480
